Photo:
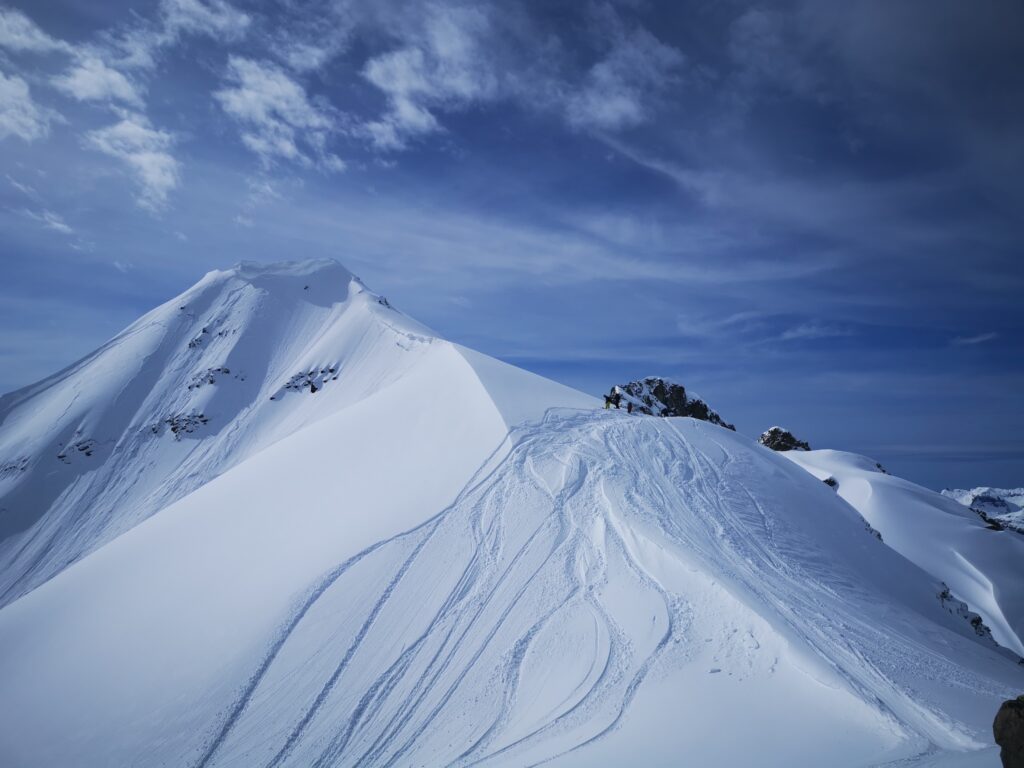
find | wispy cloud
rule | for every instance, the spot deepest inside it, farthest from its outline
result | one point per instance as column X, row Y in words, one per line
column 279, row 120
column 732, row 324
column 145, row 150
column 215, row 18
column 20, row 33
column 111, row 70
column 445, row 65
column 139, row 45
column 51, row 220
column 20, row 115
column 90, row 79
column 970, row 341
column 25, row 189
column 621, row 90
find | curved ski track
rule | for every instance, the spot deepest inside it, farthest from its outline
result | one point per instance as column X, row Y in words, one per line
column 414, row 651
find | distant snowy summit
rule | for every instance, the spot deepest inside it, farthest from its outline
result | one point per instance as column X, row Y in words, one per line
column 999, row 506
column 781, row 439
column 194, row 387
column 657, row 396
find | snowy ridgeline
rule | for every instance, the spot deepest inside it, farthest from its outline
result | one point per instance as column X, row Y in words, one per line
column 310, row 563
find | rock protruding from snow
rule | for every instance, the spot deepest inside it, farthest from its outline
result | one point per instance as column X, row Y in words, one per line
column 999, row 507
column 781, row 439
column 656, row 396
column 1008, row 729
column 959, row 608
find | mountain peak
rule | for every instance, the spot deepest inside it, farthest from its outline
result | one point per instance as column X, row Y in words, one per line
column 302, row 273
column 254, row 270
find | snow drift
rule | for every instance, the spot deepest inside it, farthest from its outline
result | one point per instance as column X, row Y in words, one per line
column 439, row 559
column 982, row 566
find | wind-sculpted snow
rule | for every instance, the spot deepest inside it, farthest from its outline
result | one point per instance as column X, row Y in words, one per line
column 601, row 566
column 982, row 566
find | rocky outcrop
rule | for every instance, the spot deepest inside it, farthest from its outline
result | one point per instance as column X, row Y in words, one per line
column 999, row 508
column 1008, row 729
column 781, row 439
column 180, row 424
column 959, row 608
column 656, row 396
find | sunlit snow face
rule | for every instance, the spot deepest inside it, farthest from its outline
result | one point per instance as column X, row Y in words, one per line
column 809, row 205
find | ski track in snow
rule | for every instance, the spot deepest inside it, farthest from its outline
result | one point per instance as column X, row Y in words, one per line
column 529, row 544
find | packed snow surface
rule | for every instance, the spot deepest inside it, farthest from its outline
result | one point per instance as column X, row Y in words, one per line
column 440, row 559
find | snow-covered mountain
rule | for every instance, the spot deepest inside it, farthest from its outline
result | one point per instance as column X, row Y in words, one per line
column 438, row 559
column 241, row 360
column 1001, row 506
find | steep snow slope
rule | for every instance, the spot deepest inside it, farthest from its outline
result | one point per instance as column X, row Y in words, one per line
column 605, row 589
column 242, row 359
column 983, row 567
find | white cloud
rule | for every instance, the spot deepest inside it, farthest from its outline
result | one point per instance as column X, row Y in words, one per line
column 146, row 151
column 308, row 40
column 305, row 57
column 622, row 89
column 92, row 80
column 19, row 115
column 139, row 45
column 447, row 66
column 970, row 341
column 214, row 18
column 277, row 115
column 51, row 220
column 452, row 58
column 20, row 33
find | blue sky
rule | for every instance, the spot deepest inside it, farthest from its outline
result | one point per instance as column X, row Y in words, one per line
column 812, row 213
